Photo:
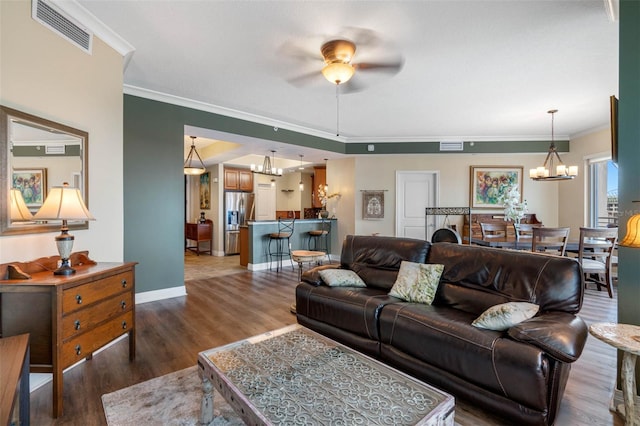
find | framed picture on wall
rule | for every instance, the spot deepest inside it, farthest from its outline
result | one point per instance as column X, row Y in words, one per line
column 32, row 184
column 205, row 191
column 373, row 205
column 489, row 183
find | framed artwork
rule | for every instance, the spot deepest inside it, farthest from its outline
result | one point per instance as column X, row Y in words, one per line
column 32, row 184
column 205, row 191
column 373, row 205
column 489, row 183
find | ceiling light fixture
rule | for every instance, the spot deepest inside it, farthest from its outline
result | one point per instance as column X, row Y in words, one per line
column 268, row 166
column 189, row 168
column 561, row 172
column 301, row 184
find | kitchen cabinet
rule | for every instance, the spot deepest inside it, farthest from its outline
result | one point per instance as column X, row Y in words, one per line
column 238, row 180
column 319, row 178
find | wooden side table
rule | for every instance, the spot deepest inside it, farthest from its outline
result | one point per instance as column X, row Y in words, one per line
column 14, row 386
column 625, row 337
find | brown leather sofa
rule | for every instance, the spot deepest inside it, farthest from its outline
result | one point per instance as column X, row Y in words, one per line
column 519, row 374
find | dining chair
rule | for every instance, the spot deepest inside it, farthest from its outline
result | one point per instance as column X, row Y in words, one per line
column 550, row 240
column 524, row 231
column 493, row 230
column 594, row 254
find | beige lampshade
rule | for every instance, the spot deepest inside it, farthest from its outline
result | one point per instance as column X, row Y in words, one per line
column 64, row 202
column 338, row 72
column 632, row 239
column 19, row 210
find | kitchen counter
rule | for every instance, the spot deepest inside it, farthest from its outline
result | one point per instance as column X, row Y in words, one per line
column 257, row 241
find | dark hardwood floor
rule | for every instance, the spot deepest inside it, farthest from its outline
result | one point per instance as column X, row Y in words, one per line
column 227, row 308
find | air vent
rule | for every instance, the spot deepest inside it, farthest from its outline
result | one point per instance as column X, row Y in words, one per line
column 54, row 149
column 451, row 146
column 51, row 17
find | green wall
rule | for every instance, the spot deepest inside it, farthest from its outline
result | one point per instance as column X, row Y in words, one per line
column 154, row 184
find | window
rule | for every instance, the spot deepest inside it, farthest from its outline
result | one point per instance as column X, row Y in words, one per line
column 603, row 193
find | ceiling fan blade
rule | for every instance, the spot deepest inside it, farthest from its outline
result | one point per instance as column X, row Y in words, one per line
column 391, row 67
column 303, row 79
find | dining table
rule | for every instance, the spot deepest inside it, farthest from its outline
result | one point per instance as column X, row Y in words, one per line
column 511, row 242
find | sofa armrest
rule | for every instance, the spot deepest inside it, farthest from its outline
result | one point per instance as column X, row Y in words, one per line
column 312, row 275
column 562, row 335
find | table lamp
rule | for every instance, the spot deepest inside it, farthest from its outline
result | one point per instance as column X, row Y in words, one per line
column 19, row 210
column 64, row 203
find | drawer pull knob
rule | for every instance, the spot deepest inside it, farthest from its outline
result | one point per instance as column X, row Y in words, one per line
column 77, row 324
column 79, row 299
column 124, row 325
column 123, row 304
column 78, row 349
column 124, row 283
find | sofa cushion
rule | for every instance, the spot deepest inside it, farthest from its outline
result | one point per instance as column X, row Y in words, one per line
column 341, row 278
column 417, row 282
column 350, row 309
column 506, row 315
column 377, row 259
column 445, row 338
column 476, row 278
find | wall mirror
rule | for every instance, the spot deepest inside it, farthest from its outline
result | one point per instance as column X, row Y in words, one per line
column 37, row 154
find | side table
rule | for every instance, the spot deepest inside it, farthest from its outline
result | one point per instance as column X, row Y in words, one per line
column 625, row 337
column 302, row 256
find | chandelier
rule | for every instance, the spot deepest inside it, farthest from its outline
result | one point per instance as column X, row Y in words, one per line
column 268, row 166
column 190, row 169
column 560, row 172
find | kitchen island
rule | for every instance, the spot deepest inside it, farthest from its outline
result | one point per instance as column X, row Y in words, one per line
column 256, row 243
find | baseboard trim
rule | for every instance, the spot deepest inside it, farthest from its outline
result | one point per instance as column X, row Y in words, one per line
column 165, row 293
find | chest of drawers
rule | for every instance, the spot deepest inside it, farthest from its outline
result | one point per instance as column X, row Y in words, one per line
column 68, row 317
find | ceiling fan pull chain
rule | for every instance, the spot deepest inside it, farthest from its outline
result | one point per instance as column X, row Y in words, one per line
column 337, row 110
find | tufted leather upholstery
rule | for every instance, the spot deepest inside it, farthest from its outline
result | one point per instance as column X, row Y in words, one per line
column 519, row 373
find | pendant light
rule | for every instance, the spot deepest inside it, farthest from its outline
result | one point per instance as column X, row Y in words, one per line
column 301, row 184
column 268, row 166
column 560, row 172
column 190, row 169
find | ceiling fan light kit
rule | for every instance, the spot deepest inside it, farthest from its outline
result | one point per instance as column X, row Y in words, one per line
column 562, row 172
column 337, row 56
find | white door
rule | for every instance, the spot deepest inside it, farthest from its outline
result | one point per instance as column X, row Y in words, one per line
column 415, row 192
column 265, row 203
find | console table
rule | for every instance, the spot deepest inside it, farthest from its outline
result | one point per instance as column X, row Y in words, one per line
column 68, row 317
column 199, row 233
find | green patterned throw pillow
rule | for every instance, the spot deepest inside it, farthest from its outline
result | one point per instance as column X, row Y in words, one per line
column 504, row 316
column 417, row 282
column 341, row 278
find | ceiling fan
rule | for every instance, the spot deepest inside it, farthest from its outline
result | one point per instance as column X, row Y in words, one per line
column 339, row 65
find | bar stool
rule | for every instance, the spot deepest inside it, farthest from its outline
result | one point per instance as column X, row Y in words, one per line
column 282, row 237
column 319, row 238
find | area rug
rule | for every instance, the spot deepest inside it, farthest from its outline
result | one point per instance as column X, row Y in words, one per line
column 173, row 399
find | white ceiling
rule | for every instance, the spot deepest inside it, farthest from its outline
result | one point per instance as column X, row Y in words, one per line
column 472, row 70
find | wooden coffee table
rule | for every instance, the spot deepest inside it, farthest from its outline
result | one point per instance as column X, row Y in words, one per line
column 296, row 376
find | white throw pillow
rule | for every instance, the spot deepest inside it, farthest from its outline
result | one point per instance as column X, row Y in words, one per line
column 417, row 282
column 504, row 316
column 341, row 278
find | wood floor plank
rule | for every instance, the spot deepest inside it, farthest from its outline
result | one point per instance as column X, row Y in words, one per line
column 235, row 304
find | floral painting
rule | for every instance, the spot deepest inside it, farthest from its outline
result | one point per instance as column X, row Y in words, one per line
column 490, row 185
column 32, row 184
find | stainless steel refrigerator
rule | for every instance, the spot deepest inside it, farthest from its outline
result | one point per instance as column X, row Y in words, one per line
column 239, row 209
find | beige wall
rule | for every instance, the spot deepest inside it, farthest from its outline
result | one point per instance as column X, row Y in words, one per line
column 341, row 179
column 45, row 75
column 573, row 195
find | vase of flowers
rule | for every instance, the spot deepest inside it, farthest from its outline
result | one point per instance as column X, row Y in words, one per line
column 514, row 210
column 322, row 195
